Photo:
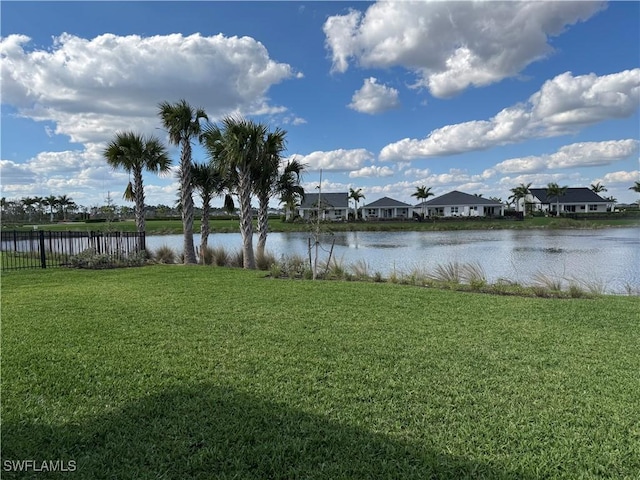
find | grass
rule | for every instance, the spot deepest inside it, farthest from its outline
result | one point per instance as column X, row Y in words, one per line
column 159, row 227
column 181, row 372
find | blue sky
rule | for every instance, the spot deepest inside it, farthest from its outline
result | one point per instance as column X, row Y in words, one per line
column 477, row 97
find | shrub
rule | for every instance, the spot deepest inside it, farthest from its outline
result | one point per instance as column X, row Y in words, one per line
column 219, row 257
column 265, row 261
column 360, row 269
column 164, row 254
column 92, row 260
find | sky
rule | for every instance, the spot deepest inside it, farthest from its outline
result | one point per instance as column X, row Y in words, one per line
column 386, row 96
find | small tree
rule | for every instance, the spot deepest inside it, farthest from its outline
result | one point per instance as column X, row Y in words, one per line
column 556, row 191
column 422, row 193
column 356, row 196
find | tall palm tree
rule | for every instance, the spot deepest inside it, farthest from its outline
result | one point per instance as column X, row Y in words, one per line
column 289, row 188
column 64, row 203
column 356, row 196
column 265, row 173
column 422, row 193
column 51, row 201
column 40, row 203
column 556, row 191
column 28, row 203
column 520, row 193
column 209, row 183
column 598, row 187
column 182, row 123
column 135, row 153
column 235, row 146
column 635, row 187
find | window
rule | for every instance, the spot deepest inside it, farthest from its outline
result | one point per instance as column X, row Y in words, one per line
column 593, row 208
column 454, row 210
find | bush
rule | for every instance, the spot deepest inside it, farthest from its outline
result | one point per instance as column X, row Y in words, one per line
column 164, row 254
column 90, row 259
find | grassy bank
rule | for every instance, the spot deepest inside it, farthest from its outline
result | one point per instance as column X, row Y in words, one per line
column 160, row 227
column 199, row 372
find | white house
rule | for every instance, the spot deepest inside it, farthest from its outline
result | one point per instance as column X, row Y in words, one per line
column 386, row 208
column 459, row 204
column 331, row 206
column 574, row 200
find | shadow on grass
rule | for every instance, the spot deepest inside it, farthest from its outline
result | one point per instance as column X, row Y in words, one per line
column 210, row 432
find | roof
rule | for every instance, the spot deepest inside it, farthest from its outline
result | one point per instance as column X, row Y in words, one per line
column 458, row 198
column 572, row 195
column 330, row 200
column 386, row 202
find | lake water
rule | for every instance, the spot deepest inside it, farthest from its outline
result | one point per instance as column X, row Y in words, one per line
column 609, row 258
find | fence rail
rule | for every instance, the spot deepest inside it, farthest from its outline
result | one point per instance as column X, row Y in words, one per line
column 46, row 249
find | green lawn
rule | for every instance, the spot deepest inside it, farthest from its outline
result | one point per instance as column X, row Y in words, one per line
column 159, row 227
column 178, row 372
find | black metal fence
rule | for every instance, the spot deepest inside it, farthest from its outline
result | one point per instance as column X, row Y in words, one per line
column 45, row 249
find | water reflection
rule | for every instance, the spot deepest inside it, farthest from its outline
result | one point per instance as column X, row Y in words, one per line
column 608, row 257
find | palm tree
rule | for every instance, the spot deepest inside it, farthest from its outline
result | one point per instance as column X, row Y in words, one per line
column 356, row 195
column 208, row 181
column 28, row 203
column 556, row 191
column 52, row 202
column 289, row 187
column 182, row 123
column 598, row 187
column 135, row 153
column 635, row 187
column 235, row 146
column 64, row 203
column 422, row 193
column 39, row 201
column 520, row 193
column 265, row 174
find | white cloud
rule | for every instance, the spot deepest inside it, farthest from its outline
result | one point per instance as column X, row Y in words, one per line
column 374, row 98
column 547, row 113
column 340, row 160
column 81, row 174
column 372, row 171
column 92, row 87
column 620, row 178
column 451, row 45
column 583, row 154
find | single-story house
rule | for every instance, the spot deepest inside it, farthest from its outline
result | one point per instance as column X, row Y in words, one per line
column 459, row 204
column 574, row 200
column 386, row 208
column 331, row 206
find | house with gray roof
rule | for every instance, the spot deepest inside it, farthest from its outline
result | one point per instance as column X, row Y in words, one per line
column 574, row 200
column 459, row 204
column 386, row 208
column 330, row 206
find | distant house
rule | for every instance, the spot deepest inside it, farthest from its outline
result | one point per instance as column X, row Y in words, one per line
column 574, row 200
column 386, row 209
column 459, row 204
column 332, row 206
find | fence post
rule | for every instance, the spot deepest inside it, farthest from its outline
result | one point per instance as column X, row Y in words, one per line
column 43, row 255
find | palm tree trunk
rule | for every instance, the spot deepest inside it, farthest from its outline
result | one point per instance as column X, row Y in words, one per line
column 263, row 224
column 204, row 228
column 186, row 198
column 246, row 222
column 139, row 196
